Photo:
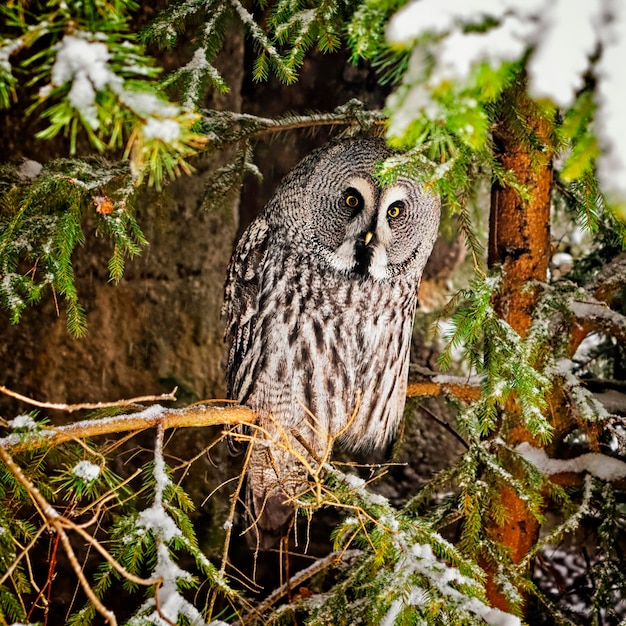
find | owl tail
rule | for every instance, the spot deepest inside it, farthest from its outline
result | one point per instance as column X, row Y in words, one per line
column 275, row 478
column 270, row 516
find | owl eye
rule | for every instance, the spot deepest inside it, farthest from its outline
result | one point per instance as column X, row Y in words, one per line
column 395, row 209
column 352, row 201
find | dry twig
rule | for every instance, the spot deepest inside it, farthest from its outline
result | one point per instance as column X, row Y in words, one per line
column 334, row 558
column 90, row 406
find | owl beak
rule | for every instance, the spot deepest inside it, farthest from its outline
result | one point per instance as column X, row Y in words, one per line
column 368, row 237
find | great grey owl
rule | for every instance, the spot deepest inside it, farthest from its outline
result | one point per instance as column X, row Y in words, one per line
column 319, row 304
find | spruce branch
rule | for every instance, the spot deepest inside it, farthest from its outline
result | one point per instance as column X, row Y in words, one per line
column 569, row 525
column 228, row 127
column 60, row 523
column 337, row 558
column 24, row 553
column 198, row 72
column 163, row 29
column 267, row 52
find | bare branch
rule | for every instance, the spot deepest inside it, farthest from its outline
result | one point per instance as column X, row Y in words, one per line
column 90, row 406
column 445, row 425
column 109, row 616
column 462, row 388
column 337, row 558
column 22, row 554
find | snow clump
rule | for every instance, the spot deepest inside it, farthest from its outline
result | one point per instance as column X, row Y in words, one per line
column 24, row 422
column 85, row 64
column 86, row 470
column 563, row 37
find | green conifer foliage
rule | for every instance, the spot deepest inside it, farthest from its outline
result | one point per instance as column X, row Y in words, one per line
column 84, row 70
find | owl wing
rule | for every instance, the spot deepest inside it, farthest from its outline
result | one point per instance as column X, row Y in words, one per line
column 241, row 295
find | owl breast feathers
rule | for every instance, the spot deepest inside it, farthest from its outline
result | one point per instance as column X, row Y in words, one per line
column 319, row 304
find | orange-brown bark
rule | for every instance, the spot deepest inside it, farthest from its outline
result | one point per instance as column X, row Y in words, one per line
column 519, row 241
column 192, row 416
column 519, row 231
column 464, row 392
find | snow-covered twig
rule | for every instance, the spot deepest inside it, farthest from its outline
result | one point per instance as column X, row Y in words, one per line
column 195, row 415
column 599, row 465
column 169, row 605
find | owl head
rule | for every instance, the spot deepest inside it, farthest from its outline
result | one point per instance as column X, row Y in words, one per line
column 332, row 204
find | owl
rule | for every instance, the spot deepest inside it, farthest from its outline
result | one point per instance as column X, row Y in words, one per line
column 320, row 297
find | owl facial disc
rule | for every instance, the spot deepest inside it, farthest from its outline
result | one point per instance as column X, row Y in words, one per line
column 364, row 248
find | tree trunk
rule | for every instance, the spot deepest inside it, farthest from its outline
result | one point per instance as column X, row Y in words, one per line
column 519, row 241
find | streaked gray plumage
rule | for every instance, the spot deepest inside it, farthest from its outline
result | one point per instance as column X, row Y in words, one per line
column 319, row 303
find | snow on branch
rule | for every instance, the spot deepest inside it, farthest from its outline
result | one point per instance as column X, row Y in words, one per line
column 610, row 280
column 599, row 465
column 599, row 316
column 167, row 606
column 61, row 524
column 417, row 572
column 468, row 33
column 195, row 415
column 462, row 387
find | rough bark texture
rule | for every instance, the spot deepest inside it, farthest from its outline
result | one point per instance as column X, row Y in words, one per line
column 519, row 241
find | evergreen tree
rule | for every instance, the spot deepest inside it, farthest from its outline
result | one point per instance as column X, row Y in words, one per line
column 470, row 102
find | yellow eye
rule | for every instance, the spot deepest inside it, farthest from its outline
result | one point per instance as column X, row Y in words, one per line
column 352, row 201
column 393, row 211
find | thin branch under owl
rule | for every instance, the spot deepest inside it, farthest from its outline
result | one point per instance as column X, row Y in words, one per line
column 319, row 304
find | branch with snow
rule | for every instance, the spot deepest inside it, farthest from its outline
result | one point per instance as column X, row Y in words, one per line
column 466, row 388
column 168, row 605
column 608, row 283
column 83, row 61
column 599, row 465
column 27, row 435
column 61, row 524
column 565, row 40
column 414, row 574
column 598, row 317
column 105, row 86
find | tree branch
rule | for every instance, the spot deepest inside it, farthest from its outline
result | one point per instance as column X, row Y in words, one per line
column 235, row 127
column 595, row 315
column 195, row 415
column 610, row 280
column 339, row 558
column 461, row 387
column 90, row 406
column 58, row 522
